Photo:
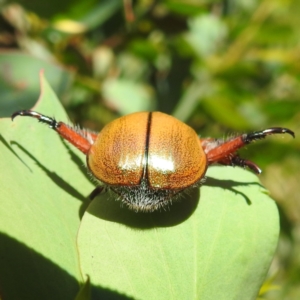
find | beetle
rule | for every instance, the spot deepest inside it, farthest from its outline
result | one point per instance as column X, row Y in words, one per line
column 149, row 158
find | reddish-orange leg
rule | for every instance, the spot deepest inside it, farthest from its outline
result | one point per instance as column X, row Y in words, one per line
column 224, row 152
column 218, row 151
column 81, row 139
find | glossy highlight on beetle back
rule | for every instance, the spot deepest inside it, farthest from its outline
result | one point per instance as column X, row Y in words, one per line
column 117, row 155
column 176, row 159
column 148, row 146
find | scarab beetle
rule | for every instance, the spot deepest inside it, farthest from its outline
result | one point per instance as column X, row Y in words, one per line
column 149, row 158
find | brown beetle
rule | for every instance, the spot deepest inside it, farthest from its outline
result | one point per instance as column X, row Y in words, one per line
column 148, row 158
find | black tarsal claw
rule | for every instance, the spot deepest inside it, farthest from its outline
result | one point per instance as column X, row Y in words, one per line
column 27, row 113
column 41, row 118
column 19, row 113
column 278, row 130
column 269, row 131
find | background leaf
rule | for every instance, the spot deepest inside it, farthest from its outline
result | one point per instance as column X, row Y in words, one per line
column 18, row 80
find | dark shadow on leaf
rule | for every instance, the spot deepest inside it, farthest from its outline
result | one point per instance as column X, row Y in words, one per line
column 26, row 274
column 99, row 293
column 229, row 185
column 286, row 225
column 75, row 158
column 107, row 208
column 58, row 180
column 12, row 151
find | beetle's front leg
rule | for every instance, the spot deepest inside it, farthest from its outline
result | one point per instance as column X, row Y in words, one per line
column 224, row 151
column 81, row 139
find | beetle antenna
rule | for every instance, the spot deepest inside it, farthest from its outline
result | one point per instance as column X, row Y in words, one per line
column 43, row 119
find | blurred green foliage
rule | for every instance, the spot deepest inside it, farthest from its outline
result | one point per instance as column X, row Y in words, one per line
column 221, row 66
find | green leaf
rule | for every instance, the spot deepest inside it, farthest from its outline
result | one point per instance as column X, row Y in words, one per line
column 85, row 291
column 127, row 96
column 216, row 243
column 218, row 246
column 206, row 31
column 19, row 86
column 185, row 8
column 43, row 191
column 101, row 13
